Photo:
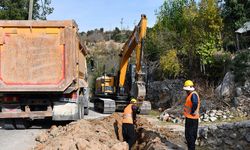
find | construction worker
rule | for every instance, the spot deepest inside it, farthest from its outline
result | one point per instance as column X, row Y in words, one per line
column 129, row 121
column 191, row 113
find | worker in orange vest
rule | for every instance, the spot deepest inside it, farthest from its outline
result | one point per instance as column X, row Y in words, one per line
column 191, row 112
column 129, row 121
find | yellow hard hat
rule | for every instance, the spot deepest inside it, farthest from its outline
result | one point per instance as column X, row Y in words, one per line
column 188, row 85
column 133, row 100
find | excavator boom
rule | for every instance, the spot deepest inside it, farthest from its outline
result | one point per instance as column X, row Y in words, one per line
column 133, row 43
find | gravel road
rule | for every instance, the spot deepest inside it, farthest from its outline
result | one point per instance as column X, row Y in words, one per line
column 25, row 139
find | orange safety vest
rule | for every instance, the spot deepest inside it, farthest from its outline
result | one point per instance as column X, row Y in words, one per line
column 128, row 115
column 188, row 106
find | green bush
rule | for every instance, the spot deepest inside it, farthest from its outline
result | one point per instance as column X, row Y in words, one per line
column 170, row 64
column 221, row 62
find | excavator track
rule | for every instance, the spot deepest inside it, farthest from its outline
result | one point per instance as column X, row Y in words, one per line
column 105, row 105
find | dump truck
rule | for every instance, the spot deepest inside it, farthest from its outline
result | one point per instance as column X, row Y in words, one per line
column 43, row 72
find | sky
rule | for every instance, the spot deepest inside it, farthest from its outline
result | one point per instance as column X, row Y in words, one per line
column 107, row 14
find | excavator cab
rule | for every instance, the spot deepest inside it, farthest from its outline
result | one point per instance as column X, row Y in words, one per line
column 105, row 85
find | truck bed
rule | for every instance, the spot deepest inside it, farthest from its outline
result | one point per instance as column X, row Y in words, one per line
column 39, row 55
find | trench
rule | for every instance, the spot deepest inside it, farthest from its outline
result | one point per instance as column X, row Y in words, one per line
column 150, row 137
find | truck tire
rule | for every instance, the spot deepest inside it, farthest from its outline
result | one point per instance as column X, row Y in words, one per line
column 80, row 107
column 9, row 124
column 22, row 123
column 86, row 111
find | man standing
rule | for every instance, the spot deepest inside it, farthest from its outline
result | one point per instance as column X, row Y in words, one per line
column 191, row 112
column 128, row 122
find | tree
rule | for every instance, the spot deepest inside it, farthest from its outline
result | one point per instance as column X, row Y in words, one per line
column 235, row 13
column 193, row 30
column 19, row 9
column 167, row 33
column 210, row 23
column 170, row 64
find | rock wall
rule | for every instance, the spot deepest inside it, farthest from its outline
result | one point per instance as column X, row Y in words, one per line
column 228, row 136
column 165, row 93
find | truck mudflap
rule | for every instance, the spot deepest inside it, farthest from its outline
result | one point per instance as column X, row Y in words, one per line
column 65, row 111
column 14, row 111
column 105, row 105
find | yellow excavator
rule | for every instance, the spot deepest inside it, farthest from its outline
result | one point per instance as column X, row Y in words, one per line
column 113, row 92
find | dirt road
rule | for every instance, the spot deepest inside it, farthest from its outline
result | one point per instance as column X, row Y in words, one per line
column 25, row 139
column 18, row 139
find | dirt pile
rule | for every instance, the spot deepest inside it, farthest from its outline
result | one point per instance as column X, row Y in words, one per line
column 83, row 135
column 103, row 134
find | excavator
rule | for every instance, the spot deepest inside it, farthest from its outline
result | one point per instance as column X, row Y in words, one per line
column 113, row 92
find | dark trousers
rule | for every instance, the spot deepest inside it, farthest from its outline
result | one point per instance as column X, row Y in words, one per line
column 129, row 135
column 191, row 128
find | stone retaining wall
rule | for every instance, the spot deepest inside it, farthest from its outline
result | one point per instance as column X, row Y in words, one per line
column 228, row 136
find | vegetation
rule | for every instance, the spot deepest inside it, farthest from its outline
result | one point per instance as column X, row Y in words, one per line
column 170, row 64
column 99, row 35
column 197, row 32
column 235, row 13
column 19, row 9
column 241, row 66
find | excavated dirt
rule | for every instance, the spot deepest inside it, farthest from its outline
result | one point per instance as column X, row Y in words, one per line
column 106, row 134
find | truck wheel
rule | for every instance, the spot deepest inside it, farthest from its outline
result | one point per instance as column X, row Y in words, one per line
column 9, row 124
column 22, row 123
column 86, row 111
column 80, row 107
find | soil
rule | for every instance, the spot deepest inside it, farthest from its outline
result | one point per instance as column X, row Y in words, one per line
column 106, row 134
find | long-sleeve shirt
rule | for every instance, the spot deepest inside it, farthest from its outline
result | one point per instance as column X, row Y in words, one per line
column 194, row 99
column 136, row 110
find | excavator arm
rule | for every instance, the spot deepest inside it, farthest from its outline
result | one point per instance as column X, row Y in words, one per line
column 135, row 42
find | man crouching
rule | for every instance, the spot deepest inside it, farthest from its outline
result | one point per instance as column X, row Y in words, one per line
column 128, row 122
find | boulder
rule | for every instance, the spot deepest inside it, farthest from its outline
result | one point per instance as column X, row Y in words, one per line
column 238, row 91
column 226, row 88
column 246, row 88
